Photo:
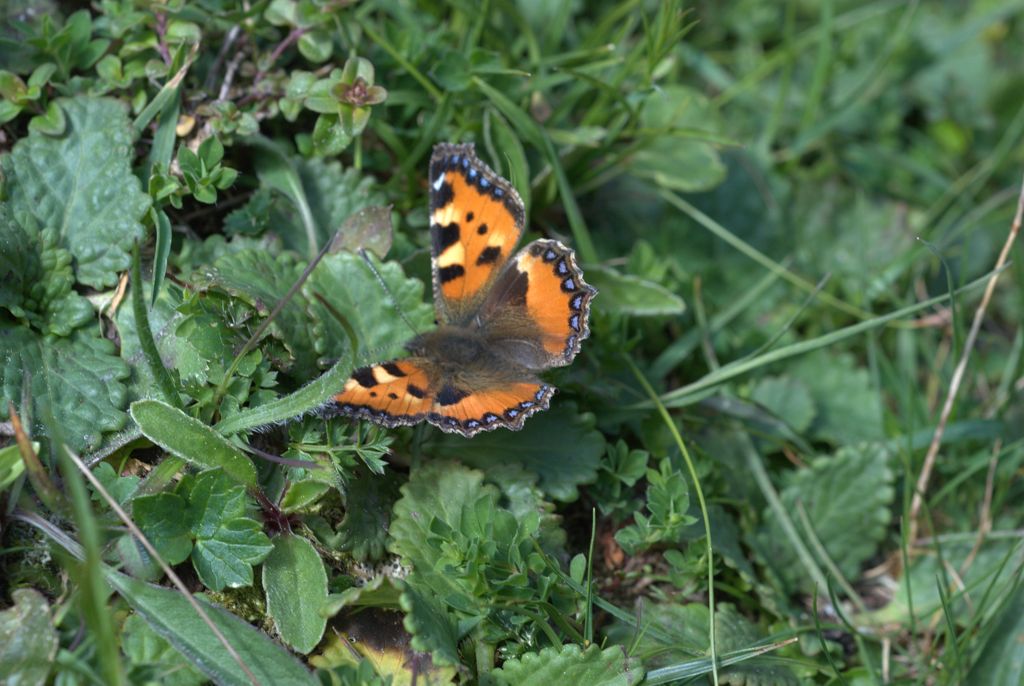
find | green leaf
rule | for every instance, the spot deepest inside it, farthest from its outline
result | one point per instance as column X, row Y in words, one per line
column 227, row 542
column 36, row 278
column 78, row 381
column 148, row 650
column 329, row 135
column 367, row 229
column 316, row 46
column 171, row 616
column 161, row 519
column 570, row 664
column 847, row 497
column 683, row 163
column 559, row 445
column 1002, row 658
column 849, row 409
column 121, row 488
column 190, row 439
column 347, row 288
column 433, row 629
column 11, row 465
column 296, row 586
column 368, row 504
column 668, row 499
column 632, row 295
column 788, row 399
column 50, row 123
column 81, row 185
column 28, row 639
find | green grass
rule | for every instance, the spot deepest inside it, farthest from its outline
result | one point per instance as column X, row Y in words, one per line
column 799, row 217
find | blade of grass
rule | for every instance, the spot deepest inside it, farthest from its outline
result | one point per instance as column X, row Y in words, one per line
column 961, row 367
column 686, row 394
column 826, row 559
column 667, row 418
column 756, row 255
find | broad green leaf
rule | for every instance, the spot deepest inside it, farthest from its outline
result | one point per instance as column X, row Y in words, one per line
column 682, row 162
column 368, row 505
column 227, row 542
column 171, row 616
column 367, row 229
column 847, row 499
column 161, row 517
column 350, row 290
column 191, row 440
column 295, row 583
column 335, row 194
column 146, row 648
column 121, row 488
column 849, row 409
column 433, row 629
column 787, row 398
column 1002, row 659
column 632, row 295
column 36, row 277
column 11, row 464
column 570, row 664
column 559, row 445
column 78, row 381
column 28, row 639
column 81, row 185
column 262, row 280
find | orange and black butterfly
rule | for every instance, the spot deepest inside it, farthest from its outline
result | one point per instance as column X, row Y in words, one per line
column 502, row 318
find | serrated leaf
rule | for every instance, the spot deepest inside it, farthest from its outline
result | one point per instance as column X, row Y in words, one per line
column 36, row 278
column 78, row 381
column 846, row 497
column 632, row 295
column 171, row 616
column 787, row 398
column 849, row 409
column 559, row 445
column 28, row 639
column 262, row 280
column 227, row 542
column 161, row 518
column 349, row 289
column 570, row 664
column 335, row 194
column 368, row 503
column 433, row 629
column 295, row 584
column 81, row 185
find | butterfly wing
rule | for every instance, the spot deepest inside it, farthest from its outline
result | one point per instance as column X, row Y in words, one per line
column 396, row 393
column 476, row 220
column 538, row 311
column 410, row 390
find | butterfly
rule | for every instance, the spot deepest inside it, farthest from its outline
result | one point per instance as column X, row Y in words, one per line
column 502, row 318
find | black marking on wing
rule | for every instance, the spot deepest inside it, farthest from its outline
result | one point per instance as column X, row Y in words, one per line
column 444, row 236
column 450, row 273
column 489, row 255
column 449, row 395
column 364, row 377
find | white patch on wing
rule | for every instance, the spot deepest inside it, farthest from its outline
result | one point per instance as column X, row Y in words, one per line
column 439, row 182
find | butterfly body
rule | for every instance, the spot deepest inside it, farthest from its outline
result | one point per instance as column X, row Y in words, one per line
column 502, row 317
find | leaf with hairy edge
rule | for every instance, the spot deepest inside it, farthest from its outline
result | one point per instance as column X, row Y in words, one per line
column 296, row 586
column 847, row 498
column 191, row 440
column 350, row 290
column 28, row 641
column 171, row 616
column 81, row 185
column 632, row 295
column 570, row 664
column 78, row 381
column 561, row 446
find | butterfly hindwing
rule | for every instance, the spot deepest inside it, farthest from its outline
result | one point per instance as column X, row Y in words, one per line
column 393, row 393
column 476, row 220
column 506, row 406
column 543, row 287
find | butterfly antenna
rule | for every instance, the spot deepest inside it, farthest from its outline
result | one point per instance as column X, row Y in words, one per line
column 387, row 289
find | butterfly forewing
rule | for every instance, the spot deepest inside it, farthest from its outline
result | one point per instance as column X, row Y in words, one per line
column 476, row 220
